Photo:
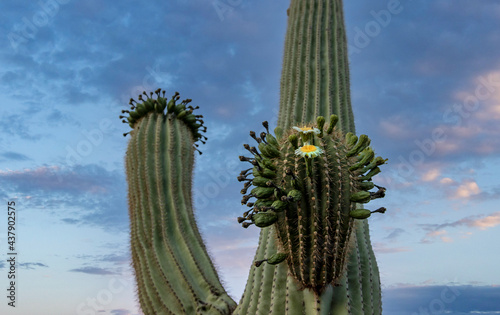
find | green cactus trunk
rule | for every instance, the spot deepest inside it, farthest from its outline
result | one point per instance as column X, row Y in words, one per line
column 315, row 82
column 173, row 270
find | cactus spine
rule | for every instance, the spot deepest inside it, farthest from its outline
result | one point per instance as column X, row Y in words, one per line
column 339, row 274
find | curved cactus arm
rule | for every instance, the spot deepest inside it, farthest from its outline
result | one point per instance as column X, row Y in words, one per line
column 315, row 82
column 173, row 270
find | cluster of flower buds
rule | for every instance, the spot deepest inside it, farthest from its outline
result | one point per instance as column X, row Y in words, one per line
column 181, row 111
column 287, row 169
column 270, row 197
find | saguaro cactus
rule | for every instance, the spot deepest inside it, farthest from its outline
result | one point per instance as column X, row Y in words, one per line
column 314, row 254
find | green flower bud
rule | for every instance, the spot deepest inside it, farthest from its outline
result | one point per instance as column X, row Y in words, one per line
column 276, row 258
column 321, row 123
column 361, row 197
column 262, row 192
column 272, row 140
column 366, row 185
column 364, row 158
column 141, row 110
column 360, row 214
column 295, row 195
column 363, row 142
column 294, row 140
column 262, row 203
column 333, row 121
column 264, row 172
column 278, row 132
column 264, row 219
column 279, row 205
column 260, row 181
column 268, row 151
column 370, row 174
column 350, row 139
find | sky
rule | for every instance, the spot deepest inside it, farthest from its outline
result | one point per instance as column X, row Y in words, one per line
column 425, row 84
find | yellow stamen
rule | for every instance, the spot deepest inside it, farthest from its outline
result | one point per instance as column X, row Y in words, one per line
column 308, row 148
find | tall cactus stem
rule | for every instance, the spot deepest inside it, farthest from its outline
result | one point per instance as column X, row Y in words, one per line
column 315, row 82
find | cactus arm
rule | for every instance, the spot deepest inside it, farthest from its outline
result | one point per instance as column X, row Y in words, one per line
column 173, row 270
column 315, row 82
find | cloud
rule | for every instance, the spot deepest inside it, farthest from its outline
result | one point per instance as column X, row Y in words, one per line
column 121, row 311
column 431, row 175
column 486, row 222
column 446, row 181
column 395, row 233
column 16, row 125
column 9, row 155
column 32, row 265
column 94, row 271
column 80, row 194
column 70, row 221
column 78, row 179
column 431, row 236
column 117, row 259
column 381, row 248
column 466, row 190
column 482, row 222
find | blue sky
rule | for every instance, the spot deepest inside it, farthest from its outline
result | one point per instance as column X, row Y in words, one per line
column 425, row 82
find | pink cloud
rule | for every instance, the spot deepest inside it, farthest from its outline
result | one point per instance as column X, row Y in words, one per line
column 381, row 248
column 436, row 231
column 466, row 190
column 431, row 175
column 431, row 236
column 446, row 181
column 487, row 222
column 395, row 127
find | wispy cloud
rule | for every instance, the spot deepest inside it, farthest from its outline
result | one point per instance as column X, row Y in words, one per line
column 32, row 265
column 94, row 271
column 16, row 125
column 437, row 231
column 84, row 194
column 395, row 233
column 14, row 156
column 382, row 248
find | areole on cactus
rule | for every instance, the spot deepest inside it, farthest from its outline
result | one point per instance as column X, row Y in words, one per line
column 308, row 184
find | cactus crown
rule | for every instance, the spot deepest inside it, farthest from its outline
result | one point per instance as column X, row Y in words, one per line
column 182, row 111
column 307, row 183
